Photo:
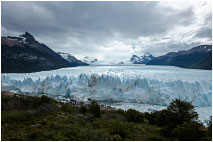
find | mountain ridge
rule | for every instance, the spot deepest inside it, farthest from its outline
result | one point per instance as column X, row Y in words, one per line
column 71, row 59
column 142, row 59
column 199, row 57
column 24, row 54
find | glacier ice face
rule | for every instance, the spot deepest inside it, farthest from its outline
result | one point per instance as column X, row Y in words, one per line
column 133, row 83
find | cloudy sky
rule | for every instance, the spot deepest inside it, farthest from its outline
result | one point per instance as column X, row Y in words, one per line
column 109, row 30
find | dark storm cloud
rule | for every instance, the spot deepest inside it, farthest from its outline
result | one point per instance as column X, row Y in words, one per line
column 204, row 33
column 206, row 30
column 82, row 27
column 128, row 18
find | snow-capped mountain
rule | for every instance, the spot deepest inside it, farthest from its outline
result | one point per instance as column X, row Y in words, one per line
column 109, row 61
column 142, row 59
column 25, row 54
column 90, row 60
column 71, row 58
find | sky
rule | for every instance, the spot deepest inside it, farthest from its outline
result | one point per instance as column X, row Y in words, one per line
column 111, row 30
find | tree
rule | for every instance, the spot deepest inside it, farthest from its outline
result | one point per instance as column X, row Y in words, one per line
column 176, row 114
column 95, row 109
column 209, row 124
column 182, row 112
column 83, row 109
column 134, row 116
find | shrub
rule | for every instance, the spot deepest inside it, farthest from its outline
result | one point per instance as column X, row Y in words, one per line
column 95, row 109
column 134, row 116
column 166, row 131
column 89, row 134
column 176, row 113
column 45, row 99
column 182, row 112
column 17, row 116
column 36, row 135
column 121, row 112
column 160, row 118
column 66, row 108
column 209, row 127
column 83, row 109
column 45, row 108
column 209, row 124
column 192, row 131
column 149, row 117
column 116, row 138
column 165, row 118
column 121, row 129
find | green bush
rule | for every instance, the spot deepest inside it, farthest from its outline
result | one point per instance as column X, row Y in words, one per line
column 134, row 116
column 45, row 108
column 121, row 112
column 66, row 108
column 150, row 117
column 192, row 131
column 95, row 109
column 36, row 136
column 17, row 116
column 209, row 127
column 176, row 113
column 121, row 129
column 182, row 112
column 83, row 109
column 45, row 99
column 116, row 138
column 209, row 124
column 160, row 118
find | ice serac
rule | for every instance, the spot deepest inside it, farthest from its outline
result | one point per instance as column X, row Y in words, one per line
column 139, row 84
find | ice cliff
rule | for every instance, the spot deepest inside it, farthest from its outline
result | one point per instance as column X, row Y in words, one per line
column 140, row 84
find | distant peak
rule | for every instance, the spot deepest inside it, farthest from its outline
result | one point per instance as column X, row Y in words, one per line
column 147, row 54
column 28, row 36
column 134, row 56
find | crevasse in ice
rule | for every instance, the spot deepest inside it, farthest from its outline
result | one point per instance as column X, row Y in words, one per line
column 134, row 83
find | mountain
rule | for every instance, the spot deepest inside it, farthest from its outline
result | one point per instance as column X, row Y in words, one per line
column 108, row 61
column 142, row 59
column 90, row 60
column 199, row 57
column 24, row 54
column 71, row 59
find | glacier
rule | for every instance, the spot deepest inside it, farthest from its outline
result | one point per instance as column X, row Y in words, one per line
column 155, row 85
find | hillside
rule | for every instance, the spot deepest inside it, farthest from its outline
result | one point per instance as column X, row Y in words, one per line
column 71, row 59
column 199, row 57
column 24, row 54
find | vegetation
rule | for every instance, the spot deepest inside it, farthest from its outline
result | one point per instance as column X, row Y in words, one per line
column 190, row 131
column 95, row 109
column 134, row 116
column 42, row 118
